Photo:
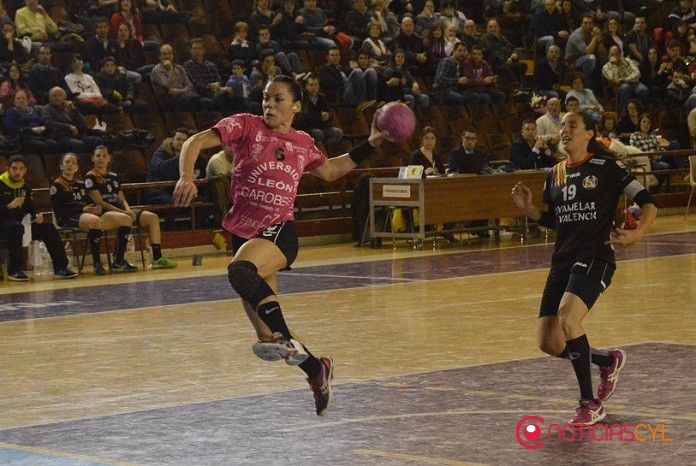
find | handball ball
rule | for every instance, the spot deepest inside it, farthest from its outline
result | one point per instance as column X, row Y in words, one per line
column 397, row 119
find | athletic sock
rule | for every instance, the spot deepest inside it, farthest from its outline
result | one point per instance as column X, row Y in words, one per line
column 121, row 243
column 599, row 357
column 156, row 251
column 311, row 366
column 94, row 238
column 272, row 316
column 579, row 355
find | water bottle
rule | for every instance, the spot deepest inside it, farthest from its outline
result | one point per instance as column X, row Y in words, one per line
column 148, row 252
column 130, row 249
column 45, row 268
column 69, row 253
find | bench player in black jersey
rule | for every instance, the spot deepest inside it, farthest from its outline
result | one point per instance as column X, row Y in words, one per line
column 69, row 201
column 582, row 194
column 104, row 189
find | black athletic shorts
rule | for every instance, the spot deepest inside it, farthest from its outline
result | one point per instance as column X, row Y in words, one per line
column 70, row 222
column 585, row 279
column 282, row 235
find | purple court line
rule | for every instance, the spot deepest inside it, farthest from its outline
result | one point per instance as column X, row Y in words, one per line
column 71, row 301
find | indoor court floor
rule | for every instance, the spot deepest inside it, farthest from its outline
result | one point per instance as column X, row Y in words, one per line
column 435, row 356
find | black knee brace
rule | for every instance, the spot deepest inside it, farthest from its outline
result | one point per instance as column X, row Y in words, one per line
column 246, row 281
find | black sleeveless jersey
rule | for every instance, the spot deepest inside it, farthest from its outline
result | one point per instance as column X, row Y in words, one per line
column 108, row 186
column 582, row 202
column 67, row 199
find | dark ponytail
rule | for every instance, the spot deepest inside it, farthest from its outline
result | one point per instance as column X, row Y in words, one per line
column 293, row 86
column 593, row 146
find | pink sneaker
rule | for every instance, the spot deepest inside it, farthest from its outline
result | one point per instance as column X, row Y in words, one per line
column 609, row 375
column 321, row 385
column 589, row 412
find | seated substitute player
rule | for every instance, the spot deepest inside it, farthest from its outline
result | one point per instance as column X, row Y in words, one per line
column 582, row 193
column 68, row 197
column 269, row 160
column 104, row 190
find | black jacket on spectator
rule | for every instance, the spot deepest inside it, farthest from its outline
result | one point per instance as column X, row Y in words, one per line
column 545, row 77
column 164, row 166
column 411, row 45
column 356, row 23
column 41, row 79
column 331, row 81
column 524, row 158
column 462, row 162
column 7, row 194
column 95, row 51
column 17, row 54
column 544, row 24
column 59, row 119
column 131, row 56
column 310, row 116
column 108, row 83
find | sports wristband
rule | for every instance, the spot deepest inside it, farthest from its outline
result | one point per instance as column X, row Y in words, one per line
column 361, row 152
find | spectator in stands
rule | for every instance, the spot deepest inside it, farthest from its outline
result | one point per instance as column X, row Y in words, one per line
column 648, row 140
column 451, row 39
column 514, row 21
column 128, row 13
column 450, row 79
column 586, row 97
column 219, row 173
column 426, row 154
column 100, row 45
column 500, row 53
column 86, row 93
column 427, row 18
column 375, row 46
column 316, row 22
column 164, row 166
column 69, row 203
column 104, row 190
column 44, row 76
column 205, row 77
column 173, row 87
column 14, row 82
column 637, row 40
column 33, row 21
column 288, row 62
column 548, row 27
column 652, row 73
column 629, row 121
column 116, row 88
column 467, row 158
column 24, row 123
column 582, row 46
column 572, row 104
column 571, row 17
column 67, row 125
column 623, row 75
column 482, row 83
column 264, row 70
column 470, row 36
column 682, row 13
column 354, row 87
column 240, row 47
column 679, row 92
column 262, row 15
column 548, row 125
column 101, row 8
column 608, row 126
column 357, row 22
column 674, row 61
column 387, row 21
column 611, row 36
column 11, row 48
column 290, row 27
column 398, row 77
column 434, row 42
column 550, row 72
column 242, row 89
column 412, row 45
column 451, row 16
column 130, row 56
column 531, row 151
column 15, row 203
column 315, row 117
column 162, row 11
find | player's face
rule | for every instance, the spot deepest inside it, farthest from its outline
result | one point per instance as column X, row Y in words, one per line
column 69, row 166
column 469, row 140
column 279, row 107
column 101, row 160
column 17, row 171
column 574, row 134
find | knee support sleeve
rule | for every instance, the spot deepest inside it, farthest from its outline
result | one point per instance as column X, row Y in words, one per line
column 246, row 281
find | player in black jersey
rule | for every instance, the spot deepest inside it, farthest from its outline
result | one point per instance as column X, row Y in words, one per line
column 68, row 199
column 104, row 189
column 582, row 194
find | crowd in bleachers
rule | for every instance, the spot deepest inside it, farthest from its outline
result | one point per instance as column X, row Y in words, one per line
column 75, row 73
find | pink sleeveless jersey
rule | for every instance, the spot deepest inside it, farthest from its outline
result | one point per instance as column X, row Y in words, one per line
column 267, row 169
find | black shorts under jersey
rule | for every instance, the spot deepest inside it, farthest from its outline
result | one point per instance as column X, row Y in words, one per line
column 585, row 279
column 282, row 235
